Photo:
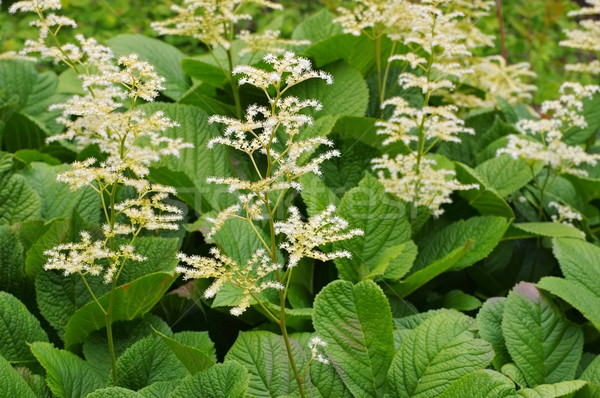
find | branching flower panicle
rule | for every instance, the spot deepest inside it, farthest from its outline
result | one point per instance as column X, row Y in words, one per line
column 565, row 214
column 587, row 37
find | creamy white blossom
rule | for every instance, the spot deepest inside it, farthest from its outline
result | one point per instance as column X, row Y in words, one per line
column 315, row 345
column 565, row 214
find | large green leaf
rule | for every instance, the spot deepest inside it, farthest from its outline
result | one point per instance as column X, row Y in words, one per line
column 382, row 218
column 67, row 375
column 12, row 262
column 229, row 379
column 484, row 231
column 12, row 383
column 165, row 58
column 132, row 300
column 316, row 195
column 160, row 256
column 356, row 323
column 264, row 356
column 564, row 388
column 438, row 352
column 592, row 375
column 18, row 78
column 195, row 350
column 526, row 230
column 505, row 174
column 317, row 27
column 17, row 328
column 541, row 341
column 348, row 96
column 481, row 384
column 578, row 262
column 489, row 319
column 23, row 132
column 18, row 201
column 203, row 71
column 148, row 361
column 57, row 198
column 197, row 163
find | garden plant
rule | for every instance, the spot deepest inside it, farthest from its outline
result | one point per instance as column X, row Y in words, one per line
column 260, row 198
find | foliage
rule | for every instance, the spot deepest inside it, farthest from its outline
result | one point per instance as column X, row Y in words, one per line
column 294, row 199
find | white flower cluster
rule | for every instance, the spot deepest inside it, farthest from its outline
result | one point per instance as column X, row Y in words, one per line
column 210, row 21
column 304, row 238
column 268, row 41
column 566, row 215
column 587, row 37
column 436, row 40
column 316, row 344
column 429, row 186
column 85, row 256
column 269, row 135
column 251, row 276
column 542, row 139
column 130, row 139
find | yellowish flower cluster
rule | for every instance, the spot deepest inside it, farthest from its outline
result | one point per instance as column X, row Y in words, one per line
column 587, row 37
column 211, row 22
column 548, row 146
column 303, row 238
column 251, row 277
column 130, row 139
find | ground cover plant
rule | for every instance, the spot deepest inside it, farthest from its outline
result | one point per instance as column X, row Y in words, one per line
column 373, row 201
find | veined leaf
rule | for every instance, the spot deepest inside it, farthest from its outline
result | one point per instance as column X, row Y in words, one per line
column 547, row 229
column 17, row 328
column 356, row 323
column 552, row 390
column 131, row 300
column 489, row 319
column 194, row 349
column 12, row 384
column 505, row 174
column 542, row 343
column 481, row 384
column 485, row 233
column 578, row 262
column 114, row 392
column 591, row 374
column 264, row 356
column 382, row 218
column 438, row 352
column 18, row 201
column 229, row 379
column 148, row 361
column 12, row 263
column 67, row 375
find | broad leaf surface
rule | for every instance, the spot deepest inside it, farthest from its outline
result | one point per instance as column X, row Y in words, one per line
column 229, row 379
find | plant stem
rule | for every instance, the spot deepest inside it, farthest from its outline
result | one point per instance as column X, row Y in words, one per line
column 288, row 347
column 109, row 335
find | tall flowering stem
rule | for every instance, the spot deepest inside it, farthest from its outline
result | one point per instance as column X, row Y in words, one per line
column 272, row 134
column 130, row 141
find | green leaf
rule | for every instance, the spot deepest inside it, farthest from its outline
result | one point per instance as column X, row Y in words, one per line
column 458, row 300
column 67, row 375
column 505, row 174
column 161, row 256
column 438, row 352
column 57, row 233
column 197, row 163
column 578, row 262
column 204, row 72
column 11, row 383
column 545, row 229
column 132, row 300
column 382, row 218
column 481, row 384
column 264, row 356
column 165, row 58
column 125, row 334
column 160, row 389
column 489, row 319
column 552, row 390
column 114, row 392
column 484, row 231
column 12, row 262
column 542, row 343
column 239, row 241
column 148, row 361
column 18, row 79
column 229, row 379
column 356, row 323
column 348, row 96
column 422, row 276
column 57, row 198
column 23, row 132
column 485, row 200
column 18, row 201
column 317, row 27
column 194, row 349
column 17, row 328
column 316, row 195
column 591, row 374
